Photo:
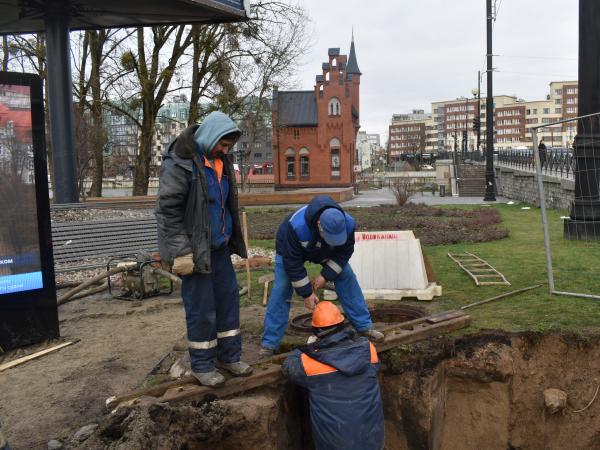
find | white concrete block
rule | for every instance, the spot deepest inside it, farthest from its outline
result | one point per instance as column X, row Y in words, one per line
column 389, row 265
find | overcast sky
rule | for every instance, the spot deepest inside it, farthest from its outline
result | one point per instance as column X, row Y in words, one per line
column 412, row 53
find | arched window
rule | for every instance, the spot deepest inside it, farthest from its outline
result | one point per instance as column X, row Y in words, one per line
column 333, row 63
column 335, row 158
column 334, row 107
column 304, row 166
column 335, row 142
column 321, row 91
column 327, row 78
column 290, row 156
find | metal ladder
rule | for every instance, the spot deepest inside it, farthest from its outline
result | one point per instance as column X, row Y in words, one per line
column 478, row 262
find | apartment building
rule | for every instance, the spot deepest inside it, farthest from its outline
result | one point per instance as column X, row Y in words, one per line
column 513, row 119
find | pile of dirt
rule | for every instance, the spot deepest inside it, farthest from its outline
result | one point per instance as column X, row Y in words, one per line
column 432, row 225
column 207, row 426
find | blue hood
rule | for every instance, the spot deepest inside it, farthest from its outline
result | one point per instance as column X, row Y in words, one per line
column 316, row 206
column 345, row 352
column 213, row 128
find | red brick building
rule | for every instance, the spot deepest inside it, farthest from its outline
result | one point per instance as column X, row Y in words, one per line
column 314, row 137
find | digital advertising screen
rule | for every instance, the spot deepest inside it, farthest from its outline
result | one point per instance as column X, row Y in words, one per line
column 28, row 311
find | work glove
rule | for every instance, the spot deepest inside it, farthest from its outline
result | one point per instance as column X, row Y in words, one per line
column 184, row 265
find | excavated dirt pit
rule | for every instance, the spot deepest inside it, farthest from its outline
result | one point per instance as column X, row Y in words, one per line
column 482, row 391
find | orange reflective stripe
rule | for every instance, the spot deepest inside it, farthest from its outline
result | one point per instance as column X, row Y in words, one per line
column 374, row 357
column 312, row 367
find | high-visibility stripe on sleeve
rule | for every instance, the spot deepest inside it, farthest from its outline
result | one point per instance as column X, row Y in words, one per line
column 202, row 345
column 229, row 333
column 374, row 357
column 304, row 243
column 303, row 282
column 296, row 213
column 312, row 367
column 331, row 263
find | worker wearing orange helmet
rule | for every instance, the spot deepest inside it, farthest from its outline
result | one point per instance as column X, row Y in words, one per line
column 340, row 373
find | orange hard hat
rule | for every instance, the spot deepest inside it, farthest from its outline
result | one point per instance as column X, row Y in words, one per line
column 326, row 314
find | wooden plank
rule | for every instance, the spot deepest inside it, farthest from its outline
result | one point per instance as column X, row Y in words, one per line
column 16, row 362
column 443, row 317
column 445, row 322
column 424, row 333
column 259, row 378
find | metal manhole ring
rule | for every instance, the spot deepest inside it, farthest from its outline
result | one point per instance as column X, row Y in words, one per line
column 301, row 325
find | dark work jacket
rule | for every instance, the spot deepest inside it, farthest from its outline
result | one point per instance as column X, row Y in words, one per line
column 340, row 373
column 182, row 204
column 298, row 241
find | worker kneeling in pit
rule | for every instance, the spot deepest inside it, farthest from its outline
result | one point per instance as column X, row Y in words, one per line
column 321, row 233
column 340, row 373
column 198, row 230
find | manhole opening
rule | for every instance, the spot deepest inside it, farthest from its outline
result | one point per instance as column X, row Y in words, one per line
column 300, row 325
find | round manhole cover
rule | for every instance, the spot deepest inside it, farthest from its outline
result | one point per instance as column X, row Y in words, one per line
column 300, row 325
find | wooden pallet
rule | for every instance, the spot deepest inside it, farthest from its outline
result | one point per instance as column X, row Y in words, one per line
column 267, row 371
column 477, row 262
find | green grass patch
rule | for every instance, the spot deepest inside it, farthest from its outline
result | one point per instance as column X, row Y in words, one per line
column 521, row 259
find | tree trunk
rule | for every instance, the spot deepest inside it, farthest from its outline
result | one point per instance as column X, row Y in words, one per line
column 97, row 40
column 5, row 53
column 141, row 174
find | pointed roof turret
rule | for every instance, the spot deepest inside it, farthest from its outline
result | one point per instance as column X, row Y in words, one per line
column 352, row 66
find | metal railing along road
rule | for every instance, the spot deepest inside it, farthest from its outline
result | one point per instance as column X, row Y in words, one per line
column 557, row 162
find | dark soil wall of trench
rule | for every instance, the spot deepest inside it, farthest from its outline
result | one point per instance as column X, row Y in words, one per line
column 483, row 391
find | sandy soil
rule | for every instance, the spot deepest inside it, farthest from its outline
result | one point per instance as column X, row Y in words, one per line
column 55, row 395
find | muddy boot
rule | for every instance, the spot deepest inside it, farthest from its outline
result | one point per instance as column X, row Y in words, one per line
column 239, row 369
column 265, row 352
column 210, row 379
column 373, row 335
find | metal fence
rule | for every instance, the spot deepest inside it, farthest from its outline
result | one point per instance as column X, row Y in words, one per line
column 571, row 238
column 558, row 162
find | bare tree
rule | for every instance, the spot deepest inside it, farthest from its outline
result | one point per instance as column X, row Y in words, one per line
column 94, row 52
column 416, row 144
column 88, row 137
column 403, row 190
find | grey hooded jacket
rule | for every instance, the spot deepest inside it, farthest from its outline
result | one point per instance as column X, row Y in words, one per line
column 182, row 206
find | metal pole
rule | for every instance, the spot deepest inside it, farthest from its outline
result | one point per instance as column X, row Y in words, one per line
column 489, row 169
column 60, row 97
column 478, row 107
column 584, row 222
column 538, row 167
column 466, row 136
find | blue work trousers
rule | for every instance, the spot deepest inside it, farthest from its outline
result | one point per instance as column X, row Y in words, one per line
column 278, row 310
column 212, row 313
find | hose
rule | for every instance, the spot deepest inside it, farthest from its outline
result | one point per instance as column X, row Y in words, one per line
column 169, row 275
column 95, row 290
column 94, row 280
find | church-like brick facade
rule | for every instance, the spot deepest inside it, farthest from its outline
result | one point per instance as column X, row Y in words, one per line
column 314, row 133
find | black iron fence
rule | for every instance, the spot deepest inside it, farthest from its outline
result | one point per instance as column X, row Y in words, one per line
column 560, row 163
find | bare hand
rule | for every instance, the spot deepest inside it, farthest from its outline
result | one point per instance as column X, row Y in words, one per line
column 318, row 283
column 311, row 302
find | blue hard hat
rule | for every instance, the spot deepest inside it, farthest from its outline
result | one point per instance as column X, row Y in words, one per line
column 333, row 224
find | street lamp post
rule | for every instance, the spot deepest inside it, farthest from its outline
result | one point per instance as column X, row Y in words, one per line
column 489, row 167
column 477, row 93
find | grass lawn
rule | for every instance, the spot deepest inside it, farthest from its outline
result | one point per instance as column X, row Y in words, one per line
column 521, row 258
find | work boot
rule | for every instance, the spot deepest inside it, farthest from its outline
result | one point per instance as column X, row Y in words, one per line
column 265, row 352
column 239, row 369
column 373, row 335
column 210, row 379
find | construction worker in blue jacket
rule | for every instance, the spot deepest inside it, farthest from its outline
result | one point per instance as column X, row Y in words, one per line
column 340, row 373
column 322, row 233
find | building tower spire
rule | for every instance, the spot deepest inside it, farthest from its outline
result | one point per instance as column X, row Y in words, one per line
column 352, row 66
